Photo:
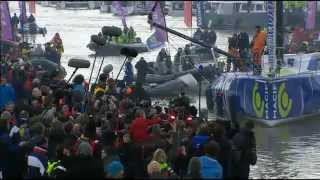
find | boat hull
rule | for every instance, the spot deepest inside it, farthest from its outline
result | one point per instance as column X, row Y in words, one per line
column 114, row 49
column 269, row 101
column 172, row 88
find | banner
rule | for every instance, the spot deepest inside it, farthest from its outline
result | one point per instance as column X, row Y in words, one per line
column 200, row 13
column 121, row 11
column 188, row 13
column 32, row 7
column 23, row 13
column 6, row 27
column 159, row 37
column 271, row 36
column 311, row 15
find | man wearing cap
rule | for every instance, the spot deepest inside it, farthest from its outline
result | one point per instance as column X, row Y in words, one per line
column 7, row 92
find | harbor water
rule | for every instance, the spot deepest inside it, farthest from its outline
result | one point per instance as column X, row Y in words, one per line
column 288, row 151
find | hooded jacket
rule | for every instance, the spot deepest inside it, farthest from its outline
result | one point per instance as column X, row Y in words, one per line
column 139, row 128
column 210, row 168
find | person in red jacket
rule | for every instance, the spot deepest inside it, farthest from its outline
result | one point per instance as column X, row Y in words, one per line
column 139, row 127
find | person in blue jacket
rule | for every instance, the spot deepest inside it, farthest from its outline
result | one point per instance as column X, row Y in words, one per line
column 210, row 167
column 78, row 92
column 7, row 93
column 128, row 76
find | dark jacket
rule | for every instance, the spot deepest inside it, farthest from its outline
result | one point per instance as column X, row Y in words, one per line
column 85, row 167
column 8, row 151
column 244, row 153
column 225, row 154
column 127, row 158
column 142, row 69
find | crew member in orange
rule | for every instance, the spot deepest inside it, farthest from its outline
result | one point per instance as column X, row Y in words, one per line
column 257, row 47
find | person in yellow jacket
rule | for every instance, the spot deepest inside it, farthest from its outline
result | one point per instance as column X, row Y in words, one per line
column 58, row 45
column 257, row 46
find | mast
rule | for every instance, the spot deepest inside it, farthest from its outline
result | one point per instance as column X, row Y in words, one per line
column 279, row 35
column 271, row 36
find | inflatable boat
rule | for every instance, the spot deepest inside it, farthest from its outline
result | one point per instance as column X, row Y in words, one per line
column 32, row 28
column 208, row 72
column 173, row 87
column 113, row 49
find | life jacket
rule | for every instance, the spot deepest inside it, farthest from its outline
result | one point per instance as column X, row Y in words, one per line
column 259, row 41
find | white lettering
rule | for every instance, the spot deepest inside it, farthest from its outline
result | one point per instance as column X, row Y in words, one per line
column 274, row 98
column 266, row 100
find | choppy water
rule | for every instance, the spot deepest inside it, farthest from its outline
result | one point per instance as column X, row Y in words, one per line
column 289, row 151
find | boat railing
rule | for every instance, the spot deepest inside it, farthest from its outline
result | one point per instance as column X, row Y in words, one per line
column 195, row 59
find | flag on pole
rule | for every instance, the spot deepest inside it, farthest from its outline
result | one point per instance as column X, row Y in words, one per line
column 311, row 15
column 32, row 7
column 121, row 11
column 6, row 28
column 188, row 13
column 23, row 13
column 159, row 37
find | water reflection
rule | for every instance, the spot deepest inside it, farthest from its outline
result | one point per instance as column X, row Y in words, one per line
column 288, row 151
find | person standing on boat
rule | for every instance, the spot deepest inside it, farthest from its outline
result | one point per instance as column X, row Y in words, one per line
column 57, row 43
column 131, row 35
column 142, row 69
column 212, row 37
column 257, row 47
column 186, row 59
column 125, row 34
column 177, row 59
column 197, row 34
column 15, row 22
column 161, row 61
column 244, row 44
column 128, row 76
column 205, row 36
column 31, row 19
